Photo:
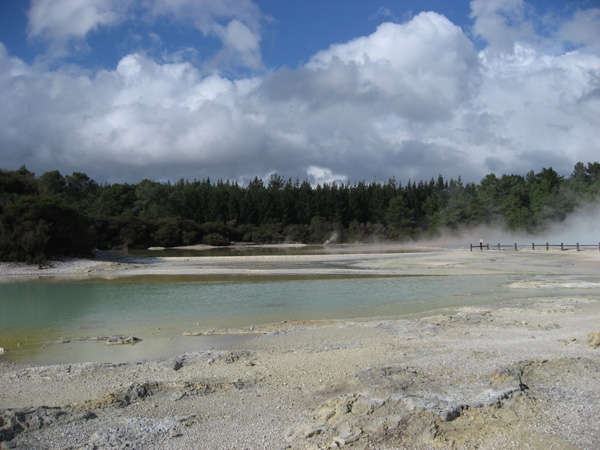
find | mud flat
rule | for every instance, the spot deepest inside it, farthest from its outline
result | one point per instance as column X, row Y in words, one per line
column 524, row 374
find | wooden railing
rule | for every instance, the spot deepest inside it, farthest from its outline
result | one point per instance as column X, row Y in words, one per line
column 481, row 246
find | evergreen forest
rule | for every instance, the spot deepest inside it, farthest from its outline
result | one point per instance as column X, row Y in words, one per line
column 53, row 215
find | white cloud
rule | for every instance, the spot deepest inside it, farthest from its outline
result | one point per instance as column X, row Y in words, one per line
column 426, row 67
column 411, row 100
column 541, row 108
column 237, row 23
column 322, row 175
column 243, row 42
column 61, row 21
column 502, row 23
column 583, row 29
column 64, row 24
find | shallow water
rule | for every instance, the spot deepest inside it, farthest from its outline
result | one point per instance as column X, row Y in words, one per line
column 277, row 250
column 34, row 315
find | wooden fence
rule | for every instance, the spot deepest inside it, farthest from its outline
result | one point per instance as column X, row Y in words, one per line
column 481, row 246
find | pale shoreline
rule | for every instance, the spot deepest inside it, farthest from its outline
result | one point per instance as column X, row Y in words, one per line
column 510, row 376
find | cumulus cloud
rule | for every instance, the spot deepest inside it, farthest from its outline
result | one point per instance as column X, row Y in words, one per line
column 582, row 30
column 64, row 24
column 241, row 44
column 541, row 105
column 322, row 175
column 411, row 100
column 505, row 25
column 425, row 67
column 236, row 23
column 61, row 21
column 502, row 23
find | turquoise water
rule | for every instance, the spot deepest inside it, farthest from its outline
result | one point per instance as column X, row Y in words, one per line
column 105, row 307
column 32, row 314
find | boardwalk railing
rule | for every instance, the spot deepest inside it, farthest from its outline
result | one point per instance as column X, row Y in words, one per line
column 481, row 246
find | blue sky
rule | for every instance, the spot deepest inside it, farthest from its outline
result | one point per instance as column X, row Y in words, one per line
column 292, row 30
column 319, row 90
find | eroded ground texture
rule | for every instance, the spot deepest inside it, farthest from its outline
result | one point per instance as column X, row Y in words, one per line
column 524, row 374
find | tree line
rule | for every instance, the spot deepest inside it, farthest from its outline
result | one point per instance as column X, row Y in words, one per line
column 55, row 215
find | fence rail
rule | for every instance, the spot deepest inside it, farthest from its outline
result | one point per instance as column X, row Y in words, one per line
column 481, row 246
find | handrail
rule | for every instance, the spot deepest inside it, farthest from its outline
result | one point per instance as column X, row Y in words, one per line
column 547, row 245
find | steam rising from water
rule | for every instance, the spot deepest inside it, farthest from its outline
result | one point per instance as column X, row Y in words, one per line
column 332, row 239
column 582, row 226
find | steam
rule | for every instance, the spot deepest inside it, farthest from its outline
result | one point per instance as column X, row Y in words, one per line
column 467, row 236
column 582, row 226
column 332, row 239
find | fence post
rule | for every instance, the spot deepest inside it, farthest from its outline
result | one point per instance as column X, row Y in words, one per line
column 562, row 247
column 498, row 246
column 533, row 246
column 472, row 247
column 546, row 246
column 480, row 246
column 487, row 245
column 578, row 246
column 516, row 247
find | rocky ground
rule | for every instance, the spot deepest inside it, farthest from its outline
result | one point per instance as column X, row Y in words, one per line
column 521, row 375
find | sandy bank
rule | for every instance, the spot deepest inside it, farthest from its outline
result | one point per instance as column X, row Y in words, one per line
column 523, row 375
column 362, row 260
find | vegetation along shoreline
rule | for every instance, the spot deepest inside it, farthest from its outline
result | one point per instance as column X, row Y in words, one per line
column 54, row 215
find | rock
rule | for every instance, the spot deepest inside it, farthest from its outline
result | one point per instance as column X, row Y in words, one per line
column 192, row 333
column 450, row 414
column 362, row 406
column 418, row 405
column 16, row 421
column 302, row 431
column 176, row 364
column 122, row 340
column 123, row 397
column 2, row 350
column 325, row 412
column 137, row 391
column 347, row 439
column 85, row 415
column 232, row 357
column 178, row 396
column 594, row 340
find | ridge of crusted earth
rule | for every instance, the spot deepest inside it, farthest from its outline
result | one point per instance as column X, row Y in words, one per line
column 517, row 376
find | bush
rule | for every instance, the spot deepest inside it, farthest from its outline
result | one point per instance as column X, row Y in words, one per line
column 34, row 229
column 215, row 239
column 297, row 233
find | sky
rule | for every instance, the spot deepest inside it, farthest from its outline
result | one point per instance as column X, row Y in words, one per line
column 319, row 90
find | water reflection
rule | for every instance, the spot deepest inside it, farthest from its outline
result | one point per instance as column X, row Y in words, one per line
column 261, row 250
